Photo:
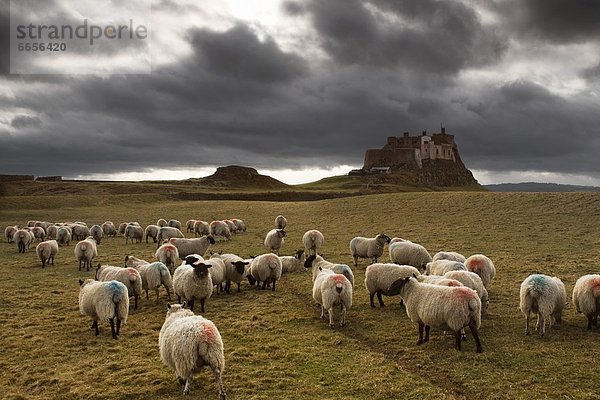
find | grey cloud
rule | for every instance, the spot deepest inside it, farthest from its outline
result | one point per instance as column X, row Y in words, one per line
column 21, row 121
column 292, row 8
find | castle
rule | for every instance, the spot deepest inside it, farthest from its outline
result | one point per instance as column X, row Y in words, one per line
column 410, row 151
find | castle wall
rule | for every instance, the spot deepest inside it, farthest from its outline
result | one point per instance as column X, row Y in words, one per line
column 390, row 158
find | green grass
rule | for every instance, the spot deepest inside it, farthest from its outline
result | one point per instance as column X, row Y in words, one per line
column 276, row 347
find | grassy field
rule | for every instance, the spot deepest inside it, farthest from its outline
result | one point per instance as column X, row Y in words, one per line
column 276, row 347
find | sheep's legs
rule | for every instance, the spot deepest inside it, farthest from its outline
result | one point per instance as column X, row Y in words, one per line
column 222, row 394
column 191, row 303
column 475, row 333
column 427, row 328
column 458, row 340
column 188, row 384
column 421, row 327
column 118, row 326
column 330, row 310
column 541, row 325
column 202, row 305
column 527, row 325
column 112, row 328
column 274, row 280
column 355, row 261
column 343, row 322
column 371, row 297
column 95, row 327
column 380, row 298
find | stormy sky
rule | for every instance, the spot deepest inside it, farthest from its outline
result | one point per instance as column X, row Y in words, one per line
column 301, row 88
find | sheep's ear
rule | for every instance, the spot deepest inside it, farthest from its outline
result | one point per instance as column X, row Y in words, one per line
column 126, row 258
column 414, row 275
column 80, row 282
column 168, row 306
column 184, row 304
column 320, row 269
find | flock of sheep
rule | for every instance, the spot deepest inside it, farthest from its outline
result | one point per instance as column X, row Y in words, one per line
column 447, row 291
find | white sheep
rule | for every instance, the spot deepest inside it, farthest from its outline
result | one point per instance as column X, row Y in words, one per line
column 332, row 290
column 240, row 225
column 162, row 222
column 189, row 225
column 482, row 266
column 315, row 263
column 79, row 231
column 280, row 222
column 109, row 229
column 235, row 270
column 449, row 255
column 173, row 223
column 192, row 281
column 440, row 267
column 274, row 240
column 409, row 253
column 313, row 241
column 85, row 251
column 23, row 239
column 440, row 307
column 293, row 263
column 133, row 232
column 545, row 296
column 379, row 277
column 168, row 255
column 217, row 271
column 121, row 229
column 185, row 247
column 51, row 232
column 9, row 232
column 187, row 343
column 368, row 247
column 153, row 276
column 586, row 297
column 220, row 228
column 231, row 225
column 166, row 233
column 151, row 231
column 104, row 301
column 97, row 233
column 473, row 281
column 265, row 268
column 201, row 228
column 63, row 236
column 46, row 251
column 130, row 277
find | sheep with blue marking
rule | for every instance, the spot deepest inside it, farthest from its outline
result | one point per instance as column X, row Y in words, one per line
column 153, row 275
column 104, row 301
column 545, row 296
column 586, row 298
column 130, row 277
column 187, row 343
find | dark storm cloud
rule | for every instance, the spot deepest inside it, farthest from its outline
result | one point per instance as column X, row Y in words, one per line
column 239, row 97
column 424, row 35
column 4, row 37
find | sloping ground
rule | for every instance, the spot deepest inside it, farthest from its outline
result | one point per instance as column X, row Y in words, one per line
column 234, row 176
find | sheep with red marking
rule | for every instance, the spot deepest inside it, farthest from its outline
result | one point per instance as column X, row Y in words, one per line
column 331, row 290
column 129, row 277
column 187, row 343
column 201, row 228
column 220, row 228
column 482, row 266
column 168, row 255
column 313, row 241
column 473, row 281
column 545, row 296
column 85, row 251
column 440, row 307
column 586, row 297
column 46, row 251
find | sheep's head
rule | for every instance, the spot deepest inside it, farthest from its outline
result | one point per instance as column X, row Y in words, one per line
column 383, row 238
column 98, row 268
column 298, row 254
column 397, row 286
column 281, row 233
column 309, row 261
column 240, row 266
column 211, row 239
column 197, row 262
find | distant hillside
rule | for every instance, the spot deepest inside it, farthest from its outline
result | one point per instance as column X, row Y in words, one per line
column 540, row 187
column 234, row 176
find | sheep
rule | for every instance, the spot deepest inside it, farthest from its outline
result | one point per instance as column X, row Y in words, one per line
column 151, row 231
column 23, row 239
column 274, row 240
column 440, row 307
column 449, row 255
column 313, row 241
column 109, row 229
column 379, row 277
column 332, row 290
column 134, row 232
column 217, row 271
column 162, row 222
column 280, row 222
column 232, row 227
column 51, row 232
column 586, row 297
column 440, row 267
column 316, row 262
column 9, row 232
column 173, row 223
column 482, row 266
column 408, row 253
column 122, row 227
column 63, row 236
column 192, row 281
column 293, row 263
column 187, row 343
column 185, row 247
column 153, row 275
column 473, row 281
column 46, row 251
column 220, row 228
column 38, row 233
column 168, row 255
column 166, row 233
column 368, row 247
column 201, row 228
column 96, row 232
column 265, row 268
column 134, row 262
column 189, row 225
column 79, row 231
column 235, row 270
column 545, row 296
column 104, row 301
column 85, row 252
column 240, row 224
column 130, row 277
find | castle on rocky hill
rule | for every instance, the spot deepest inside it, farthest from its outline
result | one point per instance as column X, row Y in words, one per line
column 433, row 158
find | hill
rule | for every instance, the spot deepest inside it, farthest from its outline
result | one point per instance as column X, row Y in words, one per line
column 540, row 187
column 234, row 176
